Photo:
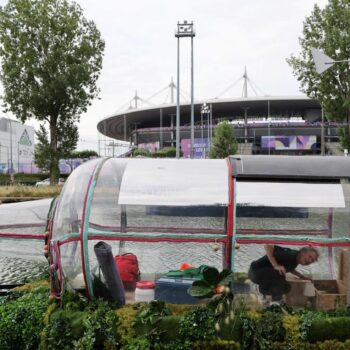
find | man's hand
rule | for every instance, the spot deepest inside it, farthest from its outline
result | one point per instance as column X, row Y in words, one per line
column 307, row 279
column 281, row 269
column 301, row 276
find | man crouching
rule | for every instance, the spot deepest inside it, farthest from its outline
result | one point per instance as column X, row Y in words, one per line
column 269, row 272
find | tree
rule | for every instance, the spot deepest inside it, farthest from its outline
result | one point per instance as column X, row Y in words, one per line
column 224, row 141
column 67, row 136
column 42, row 150
column 51, row 58
column 329, row 30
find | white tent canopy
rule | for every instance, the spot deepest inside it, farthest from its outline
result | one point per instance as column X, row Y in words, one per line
column 175, row 182
column 287, row 194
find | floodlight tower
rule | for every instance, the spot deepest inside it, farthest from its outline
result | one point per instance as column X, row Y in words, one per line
column 322, row 63
column 184, row 29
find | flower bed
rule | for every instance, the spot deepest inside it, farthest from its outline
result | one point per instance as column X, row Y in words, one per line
column 29, row 320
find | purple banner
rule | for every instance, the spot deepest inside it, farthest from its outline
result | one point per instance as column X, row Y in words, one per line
column 302, row 142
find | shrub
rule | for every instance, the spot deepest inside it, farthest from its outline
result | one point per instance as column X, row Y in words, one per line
column 216, row 345
column 21, row 319
column 25, row 179
column 330, row 345
column 83, row 326
column 166, row 152
column 179, row 309
column 329, row 328
column 141, row 152
column 198, row 324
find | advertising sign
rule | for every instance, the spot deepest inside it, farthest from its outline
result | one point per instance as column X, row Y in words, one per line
column 278, row 143
column 200, row 148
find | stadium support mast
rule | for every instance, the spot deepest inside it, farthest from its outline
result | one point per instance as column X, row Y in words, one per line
column 245, row 84
column 172, row 86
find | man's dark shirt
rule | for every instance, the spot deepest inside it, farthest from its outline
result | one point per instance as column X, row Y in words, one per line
column 284, row 256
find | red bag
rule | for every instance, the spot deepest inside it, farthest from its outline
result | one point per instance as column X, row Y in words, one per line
column 128, row 267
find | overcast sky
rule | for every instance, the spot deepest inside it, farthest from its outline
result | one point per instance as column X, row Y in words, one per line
column 140, row 51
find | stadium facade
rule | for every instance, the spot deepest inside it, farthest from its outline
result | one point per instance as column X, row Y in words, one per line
column 263, row 125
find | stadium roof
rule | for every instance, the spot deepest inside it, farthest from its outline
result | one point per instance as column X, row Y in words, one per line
column 120, row 124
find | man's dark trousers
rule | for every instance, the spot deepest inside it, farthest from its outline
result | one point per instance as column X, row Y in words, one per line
column 270, row 282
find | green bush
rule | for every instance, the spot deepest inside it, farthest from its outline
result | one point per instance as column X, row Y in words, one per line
column 28, row 321
column 330, row 345
column 21, row 178
column 141, row 152
column 21, row 319
column 170, row 327
column 166, row 152
column 93, row 327
column 232, row 331
column 198, row 324
column 216, row 345
column 159, row 154
column 329, row 328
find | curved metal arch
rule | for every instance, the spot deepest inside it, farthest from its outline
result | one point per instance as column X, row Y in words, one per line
column 84, row 231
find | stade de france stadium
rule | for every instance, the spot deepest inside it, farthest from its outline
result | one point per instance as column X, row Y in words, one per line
column 263, row 125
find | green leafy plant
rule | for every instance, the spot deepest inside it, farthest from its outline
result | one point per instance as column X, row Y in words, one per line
column 225, row 314
column 21, row 319
column 148, row 319
column 85, row 326
column 198, row 324
column 216, row 345
column 208, row 285
column 305, row 322
column 152, row 312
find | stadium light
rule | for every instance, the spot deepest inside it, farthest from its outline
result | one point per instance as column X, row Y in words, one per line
column 185, row 29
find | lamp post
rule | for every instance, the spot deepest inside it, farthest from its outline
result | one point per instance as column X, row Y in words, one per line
column 268, row 133
column 205, row 110
column 202, row 122
column 322, row 63
column 211, row 124
column 184, row 29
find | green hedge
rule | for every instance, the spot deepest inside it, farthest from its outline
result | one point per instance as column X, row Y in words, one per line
column 166, row 152
column 29, row 321
column 216, row 345
column 331, row 345
column 21, row 178
column 232, row 331
column 329, row 328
